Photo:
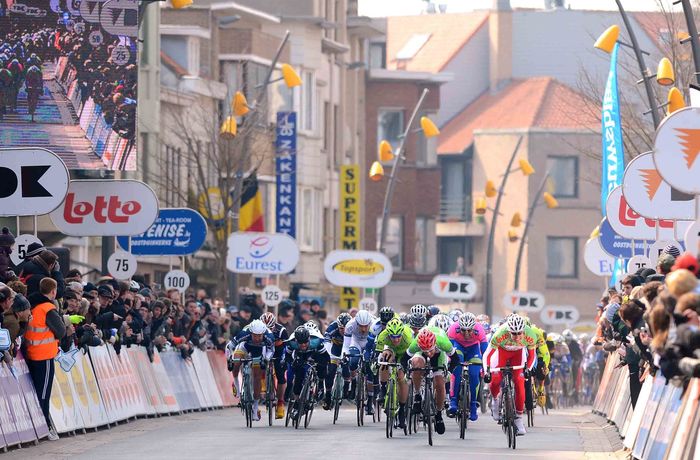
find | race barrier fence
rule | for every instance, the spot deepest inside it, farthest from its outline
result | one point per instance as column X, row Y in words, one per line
column 101, row 387
column 664, row 423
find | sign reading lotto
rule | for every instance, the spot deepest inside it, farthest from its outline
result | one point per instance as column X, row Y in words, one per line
column 559, row 314
column 86, row 41
column 175, row 232
column 524, row 301
column 453, row 287
column 349, row 223
column 286, row 172
column 106, row 208
column 629, row 224
column 364, row 269
column 677, row 150
column 262, row 253
column 651, row 196
column 34, row 181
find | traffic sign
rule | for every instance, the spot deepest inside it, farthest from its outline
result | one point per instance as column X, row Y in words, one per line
column 369, row 304
column 453, row 287
column 599, row 262
column 175, row 232
column 176, row 279
column 34, row 181
column 22, row 242
column 637, row 263
column 657, row 248
column 271, row 295
column 676, row 153
column 121, row 265
column 692, row 238
column 524, row 301
column 560, row 314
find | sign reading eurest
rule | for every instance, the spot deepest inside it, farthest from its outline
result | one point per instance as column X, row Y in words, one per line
column 365, row 269
column 262, row 253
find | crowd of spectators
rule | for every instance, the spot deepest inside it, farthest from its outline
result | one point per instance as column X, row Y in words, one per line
column 652, row 320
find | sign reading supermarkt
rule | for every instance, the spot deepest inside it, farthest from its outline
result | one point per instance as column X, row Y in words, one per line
column 176, row 232
column 262, row 253
column 365, row 269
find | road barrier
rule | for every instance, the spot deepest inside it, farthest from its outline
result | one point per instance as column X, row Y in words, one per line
column 101, row 387
column 664, row 423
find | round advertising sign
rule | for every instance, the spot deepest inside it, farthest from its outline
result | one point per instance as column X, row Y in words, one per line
column 677, row 150
column 364, row 269
column 121, row 265
column 120, row 55
column 692, row 238
column 599, row 262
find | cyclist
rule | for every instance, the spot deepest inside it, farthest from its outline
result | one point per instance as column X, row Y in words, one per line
column 576, row 355
column 513, row 343
column 257, row 342
column 433, row 310
column 392, row 345
column 34, row 84
column 403, row 317
column 468, row 337
column 455, row 314
column 441, row 321
column 560, row 360
column 386, row 314
column 333, row 340
column 281, row 335
column 419, row 309
column 355, row 340
column 416, row 321
column 432, row 343
column 303, row 347
column 541, row 367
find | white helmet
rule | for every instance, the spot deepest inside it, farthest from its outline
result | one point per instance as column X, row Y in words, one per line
column 568, row 334
column 467, row 321
column 257, row 327
column 515, row 323
column 420, row 309
column 455, row 314
column 363, row 318
column 311, row 326
column 441, row 321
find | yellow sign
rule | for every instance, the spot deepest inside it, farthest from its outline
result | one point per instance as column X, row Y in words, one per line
column 211, row 204
column 349, row 227
column 359, row 267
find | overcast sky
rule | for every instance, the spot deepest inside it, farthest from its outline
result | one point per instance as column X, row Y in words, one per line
column 410, row 7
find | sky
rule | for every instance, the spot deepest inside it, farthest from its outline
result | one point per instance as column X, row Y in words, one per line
column 411, row 7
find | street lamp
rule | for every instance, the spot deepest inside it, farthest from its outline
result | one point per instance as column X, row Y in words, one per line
column 692, row 34
column 376, row 172
column 675, row 100
column 551, row 203
column 527, row 170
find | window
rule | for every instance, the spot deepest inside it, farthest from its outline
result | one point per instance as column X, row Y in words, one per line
column 337, row 136
column 564, row 173
column 425, row 245
column 427, row 149
column 562, row 257
column 455, row 188
column 309, row 219
column 327, row 126
column 377, row 55
column 307, row 102
column 455, row 255
column 393, row 246
column 412, row 46
column 390, row 126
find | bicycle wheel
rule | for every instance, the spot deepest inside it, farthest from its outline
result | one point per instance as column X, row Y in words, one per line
column 409, row 408
column 482, row 396
column 389, row 407
column 360, row 401
column 270, row 392
column 337, row 395
column 464, row 405
column 428, row 411
column 303, row 401
column 289, row 410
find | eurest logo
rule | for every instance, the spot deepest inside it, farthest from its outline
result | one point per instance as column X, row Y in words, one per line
column 260, row 247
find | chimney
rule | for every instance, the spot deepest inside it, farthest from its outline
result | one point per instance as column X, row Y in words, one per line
column 500, row 44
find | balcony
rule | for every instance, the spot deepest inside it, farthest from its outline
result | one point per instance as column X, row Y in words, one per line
column 456, row 218
column 250, row 43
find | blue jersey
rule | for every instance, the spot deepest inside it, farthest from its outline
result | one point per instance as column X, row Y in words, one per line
column 316, row 347
column 334, row 339
column 246, row 337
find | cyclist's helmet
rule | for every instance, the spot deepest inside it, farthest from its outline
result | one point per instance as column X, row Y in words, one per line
column 483, row 318
column 386, row 314
column 552, row 337
column 426, row 339
column 311, row 326
column 487, row 327
column 584, row 337
column 455, row 314
column 395, row 327
column 467, row 321
column 343, row 319
column 301, row 334
column 568, row 334
column 269, row 319
column 441, row 321
column 404, row 317
column 363, row 318
column 516, row 323
column 559, row 339
column 419, row 309
column 433, row 311
column 416, row 320
column 257, row 327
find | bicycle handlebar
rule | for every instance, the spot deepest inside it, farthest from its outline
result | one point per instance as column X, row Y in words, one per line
column 513, row 368
column 382, row 363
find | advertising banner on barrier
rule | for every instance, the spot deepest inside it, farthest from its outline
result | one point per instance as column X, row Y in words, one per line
column 286, row 173
column 182, row 385
column 175, row 232
column 657, row 391
column 128, row 381
column 206, row 378
column 139, row 356
column 16, row 421
column 27, row 388
column 222, row 377
column 77, row 91
column 164, row 386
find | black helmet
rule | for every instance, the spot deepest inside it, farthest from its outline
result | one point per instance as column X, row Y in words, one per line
column 286, row 303
column 416, row 320
column 386, row 314
column 433, row 310
column 301, row 334
column 343, row 319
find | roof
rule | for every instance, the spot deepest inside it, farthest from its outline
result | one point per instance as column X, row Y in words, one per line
column 448, row 34
column 540, row 102
column 655, row 23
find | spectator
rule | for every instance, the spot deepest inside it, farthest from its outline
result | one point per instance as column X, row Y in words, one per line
column 7, row 240
column 16, row 320
column 43, row 265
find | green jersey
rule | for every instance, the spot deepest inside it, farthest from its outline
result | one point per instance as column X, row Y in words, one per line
column 502, row 339
column 442, row 342
column 383, row 342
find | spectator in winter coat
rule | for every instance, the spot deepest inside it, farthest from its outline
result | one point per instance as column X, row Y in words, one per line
column 7, row 239
column 43, row 265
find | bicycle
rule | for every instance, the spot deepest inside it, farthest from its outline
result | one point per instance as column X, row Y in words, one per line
column 391, row 399
column 270, row 390
column 308, row 396
column 337, row 389
column 247, row 397
column 412, row 418
column 360, row 392
column 464, row 407
column 507, row 413
column 531, row 401
column 428, row 408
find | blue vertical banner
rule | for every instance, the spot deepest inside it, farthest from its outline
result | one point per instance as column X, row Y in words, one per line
column 613, row 153
column 286, row 172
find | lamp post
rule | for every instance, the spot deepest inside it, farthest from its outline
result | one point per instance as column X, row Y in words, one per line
column 551, row 203
column 377, row 171
column 488, row 290
column 693, row 32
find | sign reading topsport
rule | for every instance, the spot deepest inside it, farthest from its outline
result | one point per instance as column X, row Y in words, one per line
column 364, row 269
column 453, row 287
column 261, row 253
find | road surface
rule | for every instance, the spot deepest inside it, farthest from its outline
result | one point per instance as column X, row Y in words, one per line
column 221, row 434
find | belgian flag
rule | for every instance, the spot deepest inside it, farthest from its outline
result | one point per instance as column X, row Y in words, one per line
column 251, row 214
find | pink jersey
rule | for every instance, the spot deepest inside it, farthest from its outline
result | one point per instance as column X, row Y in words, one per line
column 478, row 335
